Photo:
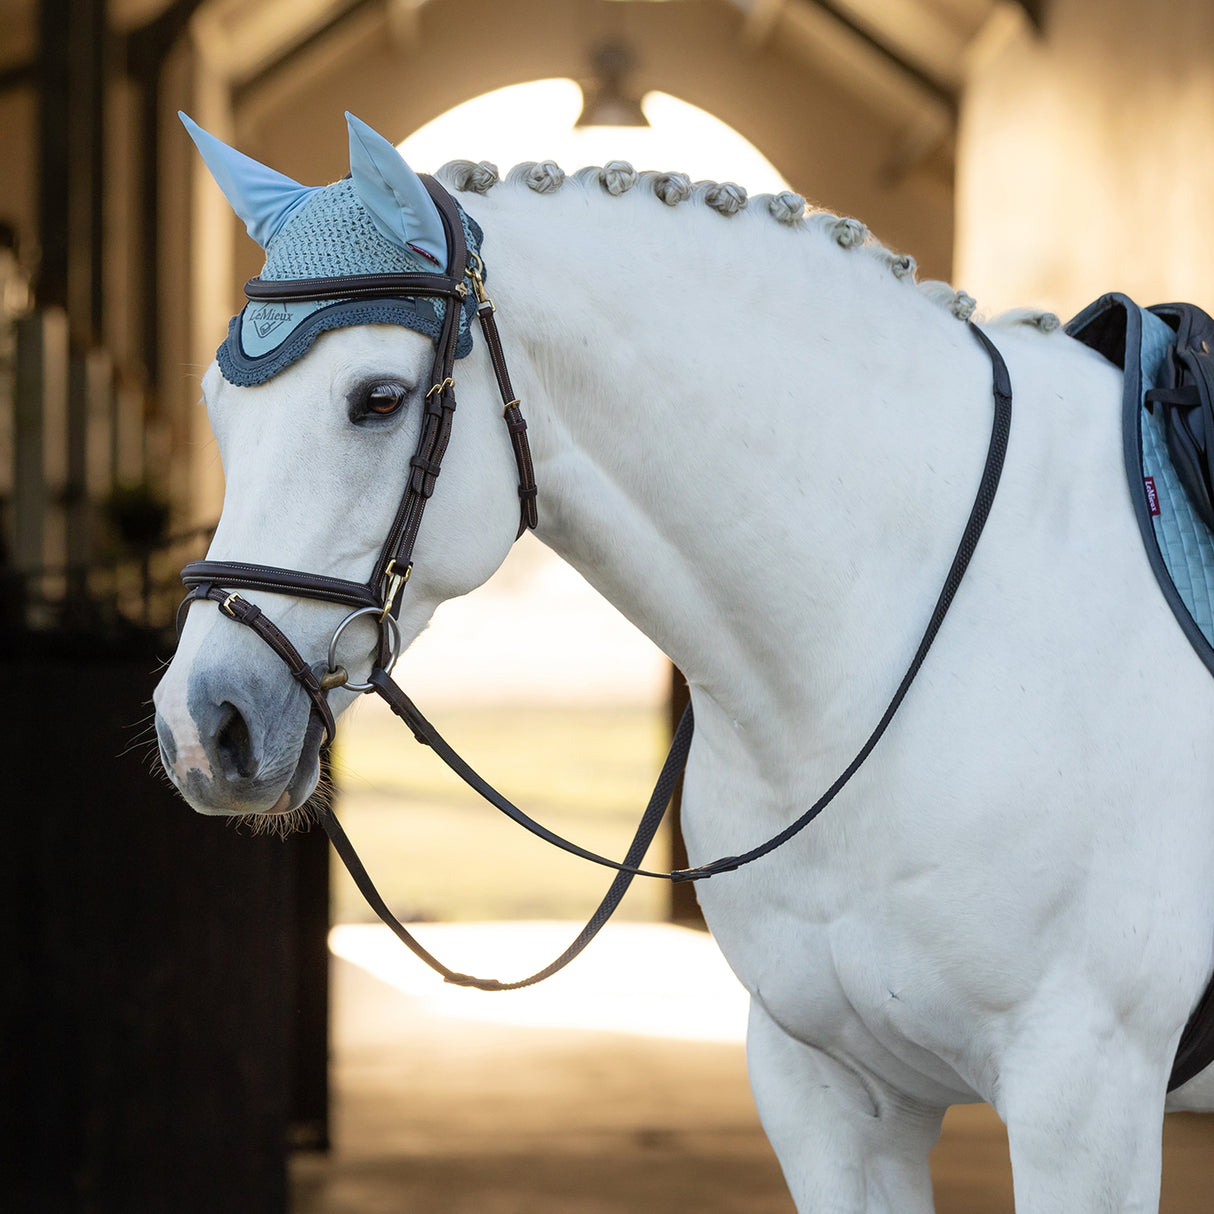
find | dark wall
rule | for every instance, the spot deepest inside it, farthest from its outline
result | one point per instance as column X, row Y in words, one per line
column 150, row 1006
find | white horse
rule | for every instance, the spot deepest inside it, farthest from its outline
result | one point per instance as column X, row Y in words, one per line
column 759, row 438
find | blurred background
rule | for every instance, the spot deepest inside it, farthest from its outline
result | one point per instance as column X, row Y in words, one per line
column 198, row 1020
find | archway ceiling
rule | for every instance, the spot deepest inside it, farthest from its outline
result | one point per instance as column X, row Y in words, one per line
column 807, row 81
column 856, row 106
column 913, row 47
column 926, row 39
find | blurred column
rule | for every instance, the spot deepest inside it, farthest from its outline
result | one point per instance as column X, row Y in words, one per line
column 684, row 906
column 39, row 443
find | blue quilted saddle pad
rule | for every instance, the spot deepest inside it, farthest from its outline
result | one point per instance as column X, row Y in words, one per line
column 1184, row 541
column 1178, row 544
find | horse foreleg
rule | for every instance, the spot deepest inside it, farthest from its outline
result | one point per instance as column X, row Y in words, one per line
column 1083, row 1103
column 846, row 1146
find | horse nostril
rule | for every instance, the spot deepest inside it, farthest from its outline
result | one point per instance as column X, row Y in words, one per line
column 233, row 743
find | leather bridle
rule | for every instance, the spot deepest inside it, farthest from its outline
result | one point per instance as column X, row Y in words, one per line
column 380, row 596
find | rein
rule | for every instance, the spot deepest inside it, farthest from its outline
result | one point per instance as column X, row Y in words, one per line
column 380, row 596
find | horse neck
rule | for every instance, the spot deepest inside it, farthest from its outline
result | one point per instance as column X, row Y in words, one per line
column 733, row 424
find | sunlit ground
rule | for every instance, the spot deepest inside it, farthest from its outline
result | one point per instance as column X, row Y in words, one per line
column 650, row 979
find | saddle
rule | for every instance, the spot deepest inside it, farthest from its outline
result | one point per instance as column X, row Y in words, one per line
column 1168, row 439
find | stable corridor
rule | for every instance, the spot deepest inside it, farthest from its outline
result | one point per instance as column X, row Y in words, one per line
column 621, row 1087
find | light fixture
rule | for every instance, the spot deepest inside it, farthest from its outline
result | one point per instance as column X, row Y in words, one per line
column 605, row 99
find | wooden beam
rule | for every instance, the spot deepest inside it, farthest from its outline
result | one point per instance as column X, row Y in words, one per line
column 145, row 50
column 937, row 89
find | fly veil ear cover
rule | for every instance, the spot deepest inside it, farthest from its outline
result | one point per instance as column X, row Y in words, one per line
column 393, row 194
column 379, row 220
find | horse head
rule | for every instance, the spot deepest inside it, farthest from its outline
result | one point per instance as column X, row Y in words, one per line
column 317, row 403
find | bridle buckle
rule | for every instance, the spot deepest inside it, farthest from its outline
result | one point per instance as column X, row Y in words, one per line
column 394, row 582
column 473, row 270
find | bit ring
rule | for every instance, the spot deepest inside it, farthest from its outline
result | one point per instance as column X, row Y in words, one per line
column 384, row 621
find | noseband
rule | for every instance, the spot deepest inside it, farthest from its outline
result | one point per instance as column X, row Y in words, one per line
column 380, row 597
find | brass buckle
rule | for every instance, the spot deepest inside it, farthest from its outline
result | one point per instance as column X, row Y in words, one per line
column 447, row 383
column 478, row 283
column 394, row 582
column 226, row 605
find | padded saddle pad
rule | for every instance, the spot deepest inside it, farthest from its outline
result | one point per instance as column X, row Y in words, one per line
column 1178, row 543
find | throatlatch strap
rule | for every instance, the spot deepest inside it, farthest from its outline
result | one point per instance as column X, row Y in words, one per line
column 515, row 423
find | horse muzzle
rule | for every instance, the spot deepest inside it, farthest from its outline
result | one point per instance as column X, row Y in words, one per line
column 238, row 746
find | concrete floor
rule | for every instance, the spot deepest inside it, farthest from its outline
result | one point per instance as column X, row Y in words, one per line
column 440, row 1106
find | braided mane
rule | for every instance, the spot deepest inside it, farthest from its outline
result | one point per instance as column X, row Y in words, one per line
column 727, row 198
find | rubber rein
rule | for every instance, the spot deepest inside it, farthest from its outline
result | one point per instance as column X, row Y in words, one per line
column 380, row 597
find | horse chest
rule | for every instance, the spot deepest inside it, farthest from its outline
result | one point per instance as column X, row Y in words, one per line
column 847, row 984
column 837, row 939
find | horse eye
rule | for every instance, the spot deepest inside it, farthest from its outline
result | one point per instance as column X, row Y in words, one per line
column 385, row 398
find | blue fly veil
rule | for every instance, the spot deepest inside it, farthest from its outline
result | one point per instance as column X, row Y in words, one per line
column 377, row 221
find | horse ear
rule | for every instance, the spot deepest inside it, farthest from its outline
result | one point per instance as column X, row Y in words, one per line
column 263, row 198
column 394, row 195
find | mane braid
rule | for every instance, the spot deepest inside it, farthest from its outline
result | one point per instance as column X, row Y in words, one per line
column 726, row 198
column 671, row 188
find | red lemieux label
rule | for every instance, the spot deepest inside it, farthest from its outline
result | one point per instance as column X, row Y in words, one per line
column 1152, row 495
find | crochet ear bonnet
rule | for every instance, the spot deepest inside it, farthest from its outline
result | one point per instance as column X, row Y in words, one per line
column 378, row 220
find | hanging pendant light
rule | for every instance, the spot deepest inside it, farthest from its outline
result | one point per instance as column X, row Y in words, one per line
column 606, row 101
